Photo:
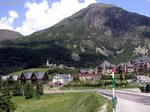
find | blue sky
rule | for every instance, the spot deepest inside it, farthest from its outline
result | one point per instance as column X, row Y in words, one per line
column 28, row 16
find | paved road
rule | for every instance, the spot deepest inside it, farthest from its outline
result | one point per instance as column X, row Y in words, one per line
column 128, row 100
column 131, row 101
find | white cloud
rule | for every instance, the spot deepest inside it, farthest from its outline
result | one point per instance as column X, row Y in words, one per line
column 7, row 22
column 40, row 15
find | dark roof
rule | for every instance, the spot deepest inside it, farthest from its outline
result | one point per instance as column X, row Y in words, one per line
column 105, row 64
column 39, row 75
column 27, row 75
column 143, row 58
column 129, row 64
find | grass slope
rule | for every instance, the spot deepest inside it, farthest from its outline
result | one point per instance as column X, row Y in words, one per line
column 66, row 102
column 30, row 70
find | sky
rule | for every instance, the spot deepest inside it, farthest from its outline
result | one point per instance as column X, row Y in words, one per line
column 28, row 16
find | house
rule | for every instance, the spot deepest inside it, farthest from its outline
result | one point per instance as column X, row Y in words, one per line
column 39, row 76
column 141, row 64
column 105, row 68
column 5, row 77
column 33, row 77
column 60, row 79
column 86, row 70
column 25, row 77
column 126, row 67
column 86, row 77
column 14, row 77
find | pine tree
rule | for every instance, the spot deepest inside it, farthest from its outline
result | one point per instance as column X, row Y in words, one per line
column 6, row 88
column 17, row 89
column 39, row 89
column 28, row 91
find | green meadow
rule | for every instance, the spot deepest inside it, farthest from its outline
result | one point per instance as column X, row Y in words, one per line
column 62, row 102
column 30, row 70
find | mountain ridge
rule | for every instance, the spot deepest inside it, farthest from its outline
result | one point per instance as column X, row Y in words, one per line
column 6, row 34
column 94, row 34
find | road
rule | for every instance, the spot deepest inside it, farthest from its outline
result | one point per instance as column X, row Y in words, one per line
column 128, row 100
column 131, row 101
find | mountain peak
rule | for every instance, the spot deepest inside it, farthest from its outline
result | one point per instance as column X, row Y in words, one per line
column 94, row 34
column 101, row 5
column 9, row 35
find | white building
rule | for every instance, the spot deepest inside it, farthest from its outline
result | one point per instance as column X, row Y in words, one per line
column 5, row 77
column 60, row 79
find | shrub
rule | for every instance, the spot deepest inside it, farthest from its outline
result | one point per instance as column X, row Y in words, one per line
column 6, row 105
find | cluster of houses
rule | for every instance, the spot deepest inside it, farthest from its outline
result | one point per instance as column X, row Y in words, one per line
column 32, row 77
column 141, row 64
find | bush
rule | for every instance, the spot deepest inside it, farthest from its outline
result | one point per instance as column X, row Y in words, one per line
column 6, row 105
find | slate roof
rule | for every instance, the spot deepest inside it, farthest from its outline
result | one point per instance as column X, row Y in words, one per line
column 128, row 64
column 39, row 75
column 27, row 75
column 15, row 77
column 142, row 60
column 105, row 64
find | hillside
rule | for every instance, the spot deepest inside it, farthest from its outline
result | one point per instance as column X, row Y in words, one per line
column 9, row 35
column 94, row 34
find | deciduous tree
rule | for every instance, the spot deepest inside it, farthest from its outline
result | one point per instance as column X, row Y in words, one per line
column 6, row 105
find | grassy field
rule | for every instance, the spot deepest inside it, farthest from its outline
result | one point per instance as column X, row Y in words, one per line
column 30, row 70
column 64, row 102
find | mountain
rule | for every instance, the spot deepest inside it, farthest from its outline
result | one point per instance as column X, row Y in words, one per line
column 8, row 34
column 94, row 34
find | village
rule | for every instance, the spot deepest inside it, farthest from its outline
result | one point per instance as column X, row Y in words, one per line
column 139, row 67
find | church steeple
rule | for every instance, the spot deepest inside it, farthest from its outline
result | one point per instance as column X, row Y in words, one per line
column 47, row 63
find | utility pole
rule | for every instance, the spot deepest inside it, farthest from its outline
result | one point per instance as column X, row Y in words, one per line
column 113, row 89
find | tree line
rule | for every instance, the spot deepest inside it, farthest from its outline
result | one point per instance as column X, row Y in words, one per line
column 9, row 88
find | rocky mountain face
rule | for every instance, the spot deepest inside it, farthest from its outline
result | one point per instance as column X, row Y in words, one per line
column 8, row 35
column 94, row 34
column 112, row 25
